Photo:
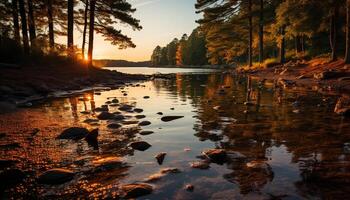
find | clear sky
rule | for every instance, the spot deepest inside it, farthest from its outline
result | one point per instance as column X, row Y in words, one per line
column 162, row 21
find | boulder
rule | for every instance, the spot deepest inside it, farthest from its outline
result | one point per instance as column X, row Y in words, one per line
column 170, row 118
column 216, row 155
column 73, row 133
column 136, row 190
column 56, row 176
column 140, row 145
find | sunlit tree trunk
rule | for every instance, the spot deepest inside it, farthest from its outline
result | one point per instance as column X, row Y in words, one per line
column 283, row 47
column 31, row 23
column 347, row 50
column 91, row 30
column 333, row 33
column 261, row 32
column 70, row 30
column 250, row 48
column 24, row 26
column 85, row 27
column 15, row 21
column 51, row 28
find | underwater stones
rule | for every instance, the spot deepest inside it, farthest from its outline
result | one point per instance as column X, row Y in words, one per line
column 144, row 123
column 170, row 118
column 216, row 155
column 105, row 115
column 136, row 190
column 200, row 165
column 108, row 163
column 140, row 145
column 114, row 126
column 146, row 132
column 73, row 133
column 160, row 157
column 56, row 176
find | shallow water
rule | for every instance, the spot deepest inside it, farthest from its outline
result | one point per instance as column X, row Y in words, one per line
column 291, row 144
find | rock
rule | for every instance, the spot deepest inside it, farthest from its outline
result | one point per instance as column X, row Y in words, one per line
column 108, row 163
column 189, row 187
column 160, row 157
column 144, row 123
column 138, row 110
column 140, row 116
column 140, row 145
column 159, row 113
column 170, row 118
column 146, row 132
column 157, row 176
column 56, row 176
column 118, row 117
column 343, row 106
column 146, row 97
column 286, row 83
column 136, row 190
column 200, row 165
column 73, row 133
column 172, row 108
column 125, row 108
column 328, row 75
column 247, row 103
column 108, row 102
column 92, row 135
column 115, row 101
column 114, row 126
column 102, row 109
column 11, row 177
column 130, row 122
column 89, row 121
column 216, row 155
column 105, row 116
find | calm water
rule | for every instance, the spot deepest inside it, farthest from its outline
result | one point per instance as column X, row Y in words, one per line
column 152, row 70
column 290, row 143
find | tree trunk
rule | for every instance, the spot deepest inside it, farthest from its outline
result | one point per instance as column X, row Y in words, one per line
column 91, row 30
column 250, row 48
column 261, row 32
column 85, row 27
column 333, row 33
column 298, row 45
column 24, row 26
column 70, row 27
column 283, row 47
column 17, row 37
column 347, row 49
column 31, row 23
column 50, row 21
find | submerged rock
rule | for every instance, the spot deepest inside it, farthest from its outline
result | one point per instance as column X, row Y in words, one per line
column 73, row 133
column 136, row 190
column 170, row 118
column 144, row 123
column 140, row 145
column 56, row 176
column 105, row 116
column 157, row 176
column 160, row 157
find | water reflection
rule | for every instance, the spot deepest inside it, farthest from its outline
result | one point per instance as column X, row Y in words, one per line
column 283, row 144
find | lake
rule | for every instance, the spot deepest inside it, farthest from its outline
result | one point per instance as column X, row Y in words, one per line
column 154, row 70
column 280, row 144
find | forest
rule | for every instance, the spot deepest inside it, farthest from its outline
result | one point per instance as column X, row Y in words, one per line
column 262, row 32
column 29, row 28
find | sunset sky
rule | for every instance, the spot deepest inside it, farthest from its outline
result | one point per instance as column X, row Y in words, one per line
column 162, row 20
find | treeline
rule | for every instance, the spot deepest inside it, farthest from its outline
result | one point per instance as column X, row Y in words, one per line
column 28, row 28
column 189, row 50
column 257, row 31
